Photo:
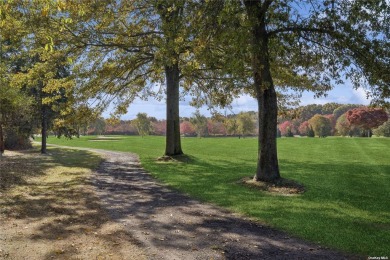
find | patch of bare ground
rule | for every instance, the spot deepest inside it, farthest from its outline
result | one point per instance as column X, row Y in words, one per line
column 177, row 158
column 49, row 210
column 281, row 186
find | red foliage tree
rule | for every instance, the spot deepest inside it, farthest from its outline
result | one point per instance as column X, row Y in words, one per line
column 216, row 128
column 159, row 127
column 120, row 128
column 304, row 128
column 287, row 126
column 344, row 128
column 110, row 129
column 367, row 118
column 187, row 128
column 125, row 127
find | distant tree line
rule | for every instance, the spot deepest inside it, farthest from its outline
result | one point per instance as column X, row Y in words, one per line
column 242, row 124
column 334, row 119
column 330, row 119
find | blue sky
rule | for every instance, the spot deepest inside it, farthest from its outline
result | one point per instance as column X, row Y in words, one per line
column 340, row 94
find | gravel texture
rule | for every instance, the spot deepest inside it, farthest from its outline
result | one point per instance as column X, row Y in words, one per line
column 170, row 225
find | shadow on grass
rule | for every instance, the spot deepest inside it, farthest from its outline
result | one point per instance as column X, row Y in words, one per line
column 168, row 220
column 347, row 199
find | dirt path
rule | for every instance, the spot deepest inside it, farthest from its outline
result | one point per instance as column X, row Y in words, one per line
column 50, row 210
column 170, row 225
column 121, row 212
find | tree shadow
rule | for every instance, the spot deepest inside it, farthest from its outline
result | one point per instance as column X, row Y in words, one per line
column 173, row 225
column 14, row 170
column 54, row 207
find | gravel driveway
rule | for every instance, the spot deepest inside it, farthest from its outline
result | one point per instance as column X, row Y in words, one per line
column 170, row 225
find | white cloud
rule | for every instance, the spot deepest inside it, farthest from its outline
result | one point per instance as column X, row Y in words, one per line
column 342, row 95
column 361, row 95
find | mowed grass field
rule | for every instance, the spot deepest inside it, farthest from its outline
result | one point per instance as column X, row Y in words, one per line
column 346, row 205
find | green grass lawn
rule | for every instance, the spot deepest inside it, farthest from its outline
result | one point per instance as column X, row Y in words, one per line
column 346, row 204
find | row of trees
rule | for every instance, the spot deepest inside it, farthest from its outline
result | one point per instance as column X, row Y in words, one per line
column 359, row 121
column 214, row 50
column 346, row 120
column 243, row 124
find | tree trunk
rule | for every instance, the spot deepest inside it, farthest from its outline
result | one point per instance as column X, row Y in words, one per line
column 1, row 140
column 173, row 142
column 267, row 161
column 44, row 129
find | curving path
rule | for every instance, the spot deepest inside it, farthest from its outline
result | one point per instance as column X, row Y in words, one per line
column 170, row 225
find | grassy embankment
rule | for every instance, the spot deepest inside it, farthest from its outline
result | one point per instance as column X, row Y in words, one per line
column 346, row 204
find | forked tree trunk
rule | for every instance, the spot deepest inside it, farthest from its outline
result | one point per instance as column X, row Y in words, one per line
column 267, row 161
column 173, row 142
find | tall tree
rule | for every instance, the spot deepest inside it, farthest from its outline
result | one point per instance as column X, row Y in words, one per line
column 15, row 118
column 46, row 79
column 310, row 45
column 135, row 49
column 42, row 63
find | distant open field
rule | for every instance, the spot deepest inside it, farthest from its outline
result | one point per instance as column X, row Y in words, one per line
column 346, row 204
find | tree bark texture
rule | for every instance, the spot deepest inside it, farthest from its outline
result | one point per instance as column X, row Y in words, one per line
column 44, row 129
column 173, row 141
column 2, row 148
column 267, row 161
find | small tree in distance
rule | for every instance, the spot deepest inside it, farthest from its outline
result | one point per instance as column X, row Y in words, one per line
column 344, row 128
column 143, row 124
column 383, row 130
column 304, row 128
column 199, row 122
column 246, row 126
column 159, row 127
column 231, row 126
column 321, row 125
column 186, row 128
column 287, row 129
column 216, row 128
